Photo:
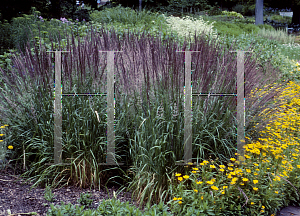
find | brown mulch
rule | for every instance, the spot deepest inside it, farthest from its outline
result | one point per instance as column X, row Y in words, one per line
column 15, row 195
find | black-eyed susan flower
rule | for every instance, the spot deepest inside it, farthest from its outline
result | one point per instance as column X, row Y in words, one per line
column 180, row 178
column 255, row 188
column 255, row 181
column 10, row 147
column 186, row 176
column 196, row 191
column 214, row 187
column 210, row 182
column 199, row 182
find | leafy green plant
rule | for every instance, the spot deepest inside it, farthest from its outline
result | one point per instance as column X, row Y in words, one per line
column 84, row 199
column 108, row 207
column 48, row 195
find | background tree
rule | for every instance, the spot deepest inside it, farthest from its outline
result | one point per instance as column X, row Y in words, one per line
column 259, row 12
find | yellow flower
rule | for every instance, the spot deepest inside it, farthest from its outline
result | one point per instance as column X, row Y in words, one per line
column 222, row 166
column 186, row 176
column 255, row 164
column 202, row 164
column 248, row 170
column 247, row 156
column 222, row 170
column 210, row 182
column 224, row 187
column 194, row 172
column 179, row 198
column 199, row 182
column 214, row 187
column 202, row 197
column 196, row 191
column 242, row 183
column 276, row 192
column 189, row 163
column 255, row 173
column 230, row 168
column 252, row 203
column 174, row 198
column 255, row 181
column 255, row 188
column 263, row 207
column 298, row 166
column 222, row 192
column 180, row 178
column 212, row 166
column 230, row 164
column 245, row 179
column 10, row 147
column 180, row 202
column 1, row 134
column 195, row 168
column 232, row 159
column 177, row 174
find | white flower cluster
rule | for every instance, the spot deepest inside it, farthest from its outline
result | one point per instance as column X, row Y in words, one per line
column 187, row 25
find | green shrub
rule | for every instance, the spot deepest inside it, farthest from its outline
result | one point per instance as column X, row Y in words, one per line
column 238, row 8
column 249, row 10
column 232, row 14
column 266, row 27
column 215, row 10
column 281, row 19
column 234, row 29
column 123, row 15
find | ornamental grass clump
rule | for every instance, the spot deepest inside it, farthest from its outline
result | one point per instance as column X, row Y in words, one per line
column 259, row 185
column 278, row 35
column 149, row 108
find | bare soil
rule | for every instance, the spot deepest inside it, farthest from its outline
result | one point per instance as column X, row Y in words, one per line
column 15, row 195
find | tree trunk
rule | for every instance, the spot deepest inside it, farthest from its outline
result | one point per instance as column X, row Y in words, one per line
column 296, row 14
column 259, row 12
column 140, row 5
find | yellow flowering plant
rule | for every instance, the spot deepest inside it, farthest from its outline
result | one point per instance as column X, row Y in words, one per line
column 267, row 179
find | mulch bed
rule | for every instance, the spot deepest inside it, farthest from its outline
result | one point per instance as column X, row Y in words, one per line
column 15, row 195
